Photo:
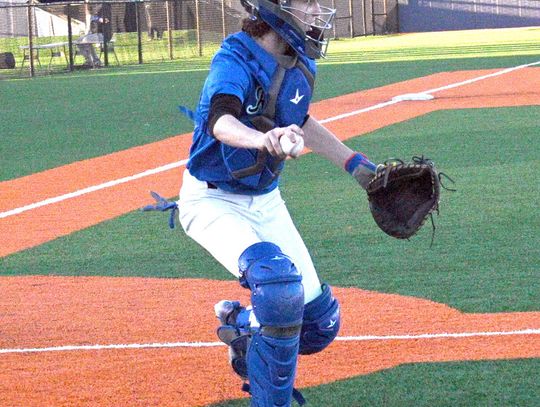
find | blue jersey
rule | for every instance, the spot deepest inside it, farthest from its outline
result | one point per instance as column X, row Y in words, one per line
column 246, row 70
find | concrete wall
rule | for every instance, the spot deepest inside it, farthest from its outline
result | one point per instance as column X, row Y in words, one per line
column 441, row 15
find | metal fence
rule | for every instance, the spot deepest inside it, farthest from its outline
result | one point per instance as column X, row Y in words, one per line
column 42, row 38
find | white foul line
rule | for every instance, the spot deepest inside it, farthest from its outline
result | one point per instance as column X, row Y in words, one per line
column 452, row 85
column 355, row 112
column 118, row 346
column 94, row 188
column 479, row 78
column 214, row 344
column 177, row 164
column 438, row 336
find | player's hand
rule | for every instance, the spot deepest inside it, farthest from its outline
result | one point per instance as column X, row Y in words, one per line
column 270, row 140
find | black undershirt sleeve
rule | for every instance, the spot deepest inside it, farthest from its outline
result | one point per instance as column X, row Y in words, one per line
column 222, row 104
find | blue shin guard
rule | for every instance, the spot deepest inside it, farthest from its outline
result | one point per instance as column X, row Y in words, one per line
column 271, row 365
column 277, row 297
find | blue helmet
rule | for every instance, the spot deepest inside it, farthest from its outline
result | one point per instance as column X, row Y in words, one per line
column 291, row 24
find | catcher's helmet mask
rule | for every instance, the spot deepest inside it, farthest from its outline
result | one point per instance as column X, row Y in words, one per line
column 302, row 28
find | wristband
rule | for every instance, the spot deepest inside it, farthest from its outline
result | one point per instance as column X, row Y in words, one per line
column 357, row 159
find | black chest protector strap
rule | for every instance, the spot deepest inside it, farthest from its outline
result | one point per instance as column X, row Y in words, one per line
column 266, row 120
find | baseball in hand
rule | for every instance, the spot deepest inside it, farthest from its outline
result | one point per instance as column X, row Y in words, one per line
column 290, row 148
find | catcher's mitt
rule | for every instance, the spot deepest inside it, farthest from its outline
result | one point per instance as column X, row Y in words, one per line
column 402, row 195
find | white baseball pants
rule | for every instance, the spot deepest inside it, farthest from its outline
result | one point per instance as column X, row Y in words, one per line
column 226, row 224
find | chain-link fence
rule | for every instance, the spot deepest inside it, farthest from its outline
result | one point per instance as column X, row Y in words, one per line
column 42, row 38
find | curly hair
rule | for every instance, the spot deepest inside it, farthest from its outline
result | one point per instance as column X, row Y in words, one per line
column 255, row 28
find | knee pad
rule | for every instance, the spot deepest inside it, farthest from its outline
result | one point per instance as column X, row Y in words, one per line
column 321, row 322
column 277, row 294
column 277, row 298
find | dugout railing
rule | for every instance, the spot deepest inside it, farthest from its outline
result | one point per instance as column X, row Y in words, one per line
column 38, row 38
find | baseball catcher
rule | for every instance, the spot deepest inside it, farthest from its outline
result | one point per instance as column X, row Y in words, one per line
column 257, row 93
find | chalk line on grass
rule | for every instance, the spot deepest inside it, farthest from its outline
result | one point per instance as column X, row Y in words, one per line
column 109, row 184
column 363, row 338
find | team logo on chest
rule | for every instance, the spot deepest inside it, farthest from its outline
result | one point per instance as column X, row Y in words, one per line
column 259, row 99
column 297, row 98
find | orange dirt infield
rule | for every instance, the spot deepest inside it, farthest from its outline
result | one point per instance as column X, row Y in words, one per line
column 56, row 311
column 42, row 312
column 37, row 226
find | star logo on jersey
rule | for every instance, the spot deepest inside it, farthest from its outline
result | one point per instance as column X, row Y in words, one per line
column 297, row 98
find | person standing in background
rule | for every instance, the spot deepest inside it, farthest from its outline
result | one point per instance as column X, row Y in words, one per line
column 152, row 18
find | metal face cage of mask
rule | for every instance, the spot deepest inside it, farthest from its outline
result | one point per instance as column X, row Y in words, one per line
column 291, row 23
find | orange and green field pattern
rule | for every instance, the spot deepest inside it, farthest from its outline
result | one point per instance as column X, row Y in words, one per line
column 103, row 305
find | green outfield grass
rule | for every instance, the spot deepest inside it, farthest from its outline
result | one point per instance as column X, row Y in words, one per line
column 491, row 153
column 486, row 249
column 439, row 45
column 396, row 47
column 465, row 384
column 52, row 121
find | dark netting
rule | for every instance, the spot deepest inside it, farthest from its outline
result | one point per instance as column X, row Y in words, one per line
column 44, row 37
column 59, row 36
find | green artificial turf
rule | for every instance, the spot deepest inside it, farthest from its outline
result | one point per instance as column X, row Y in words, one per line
column 464, row 384
column 371, row 48
column 49, row 122
column 58, row 119
column 486, row 249
column 484, row 257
